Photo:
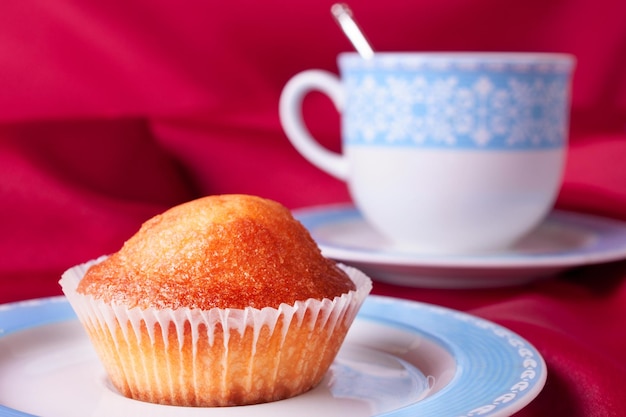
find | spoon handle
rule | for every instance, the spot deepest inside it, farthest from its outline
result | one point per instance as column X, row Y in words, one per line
column 343, row 16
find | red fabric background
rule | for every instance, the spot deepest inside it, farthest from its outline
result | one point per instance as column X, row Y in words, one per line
column 111, row 112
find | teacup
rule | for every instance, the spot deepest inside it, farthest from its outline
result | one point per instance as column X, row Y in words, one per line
column 444, row 152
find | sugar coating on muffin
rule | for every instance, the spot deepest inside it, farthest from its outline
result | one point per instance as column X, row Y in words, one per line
column 222, row 301
column 229, row 251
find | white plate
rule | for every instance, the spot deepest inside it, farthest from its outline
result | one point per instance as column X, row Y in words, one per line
column 400, row 358
column 564, row 240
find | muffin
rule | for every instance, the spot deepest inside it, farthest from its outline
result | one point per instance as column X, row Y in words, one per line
column 221, row 301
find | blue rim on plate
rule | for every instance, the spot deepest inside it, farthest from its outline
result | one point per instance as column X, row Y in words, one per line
column 497, row 372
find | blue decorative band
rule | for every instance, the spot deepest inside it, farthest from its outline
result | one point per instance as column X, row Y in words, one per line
column 486, row 105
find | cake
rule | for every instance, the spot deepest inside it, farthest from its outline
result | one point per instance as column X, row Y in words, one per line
column 221, row 301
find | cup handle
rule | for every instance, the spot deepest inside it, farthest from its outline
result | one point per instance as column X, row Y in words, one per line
column 290, row 110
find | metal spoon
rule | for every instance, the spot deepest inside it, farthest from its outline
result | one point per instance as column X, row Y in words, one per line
column 343, row 15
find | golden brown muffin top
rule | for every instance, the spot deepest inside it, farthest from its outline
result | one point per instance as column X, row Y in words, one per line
column 229, row 251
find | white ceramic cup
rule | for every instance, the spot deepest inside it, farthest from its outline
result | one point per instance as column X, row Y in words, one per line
column 444, row 152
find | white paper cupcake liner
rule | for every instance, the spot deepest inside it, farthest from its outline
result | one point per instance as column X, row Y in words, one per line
column 216, row 357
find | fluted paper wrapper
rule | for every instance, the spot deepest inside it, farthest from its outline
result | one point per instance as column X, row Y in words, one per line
column 216, row 357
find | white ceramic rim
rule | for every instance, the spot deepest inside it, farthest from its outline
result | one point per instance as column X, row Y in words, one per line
column 469, row 56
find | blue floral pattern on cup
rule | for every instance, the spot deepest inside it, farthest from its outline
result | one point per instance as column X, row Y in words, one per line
column 458, row 104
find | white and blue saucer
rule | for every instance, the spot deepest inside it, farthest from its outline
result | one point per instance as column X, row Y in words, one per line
column 400, row 358
column 564, row 240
